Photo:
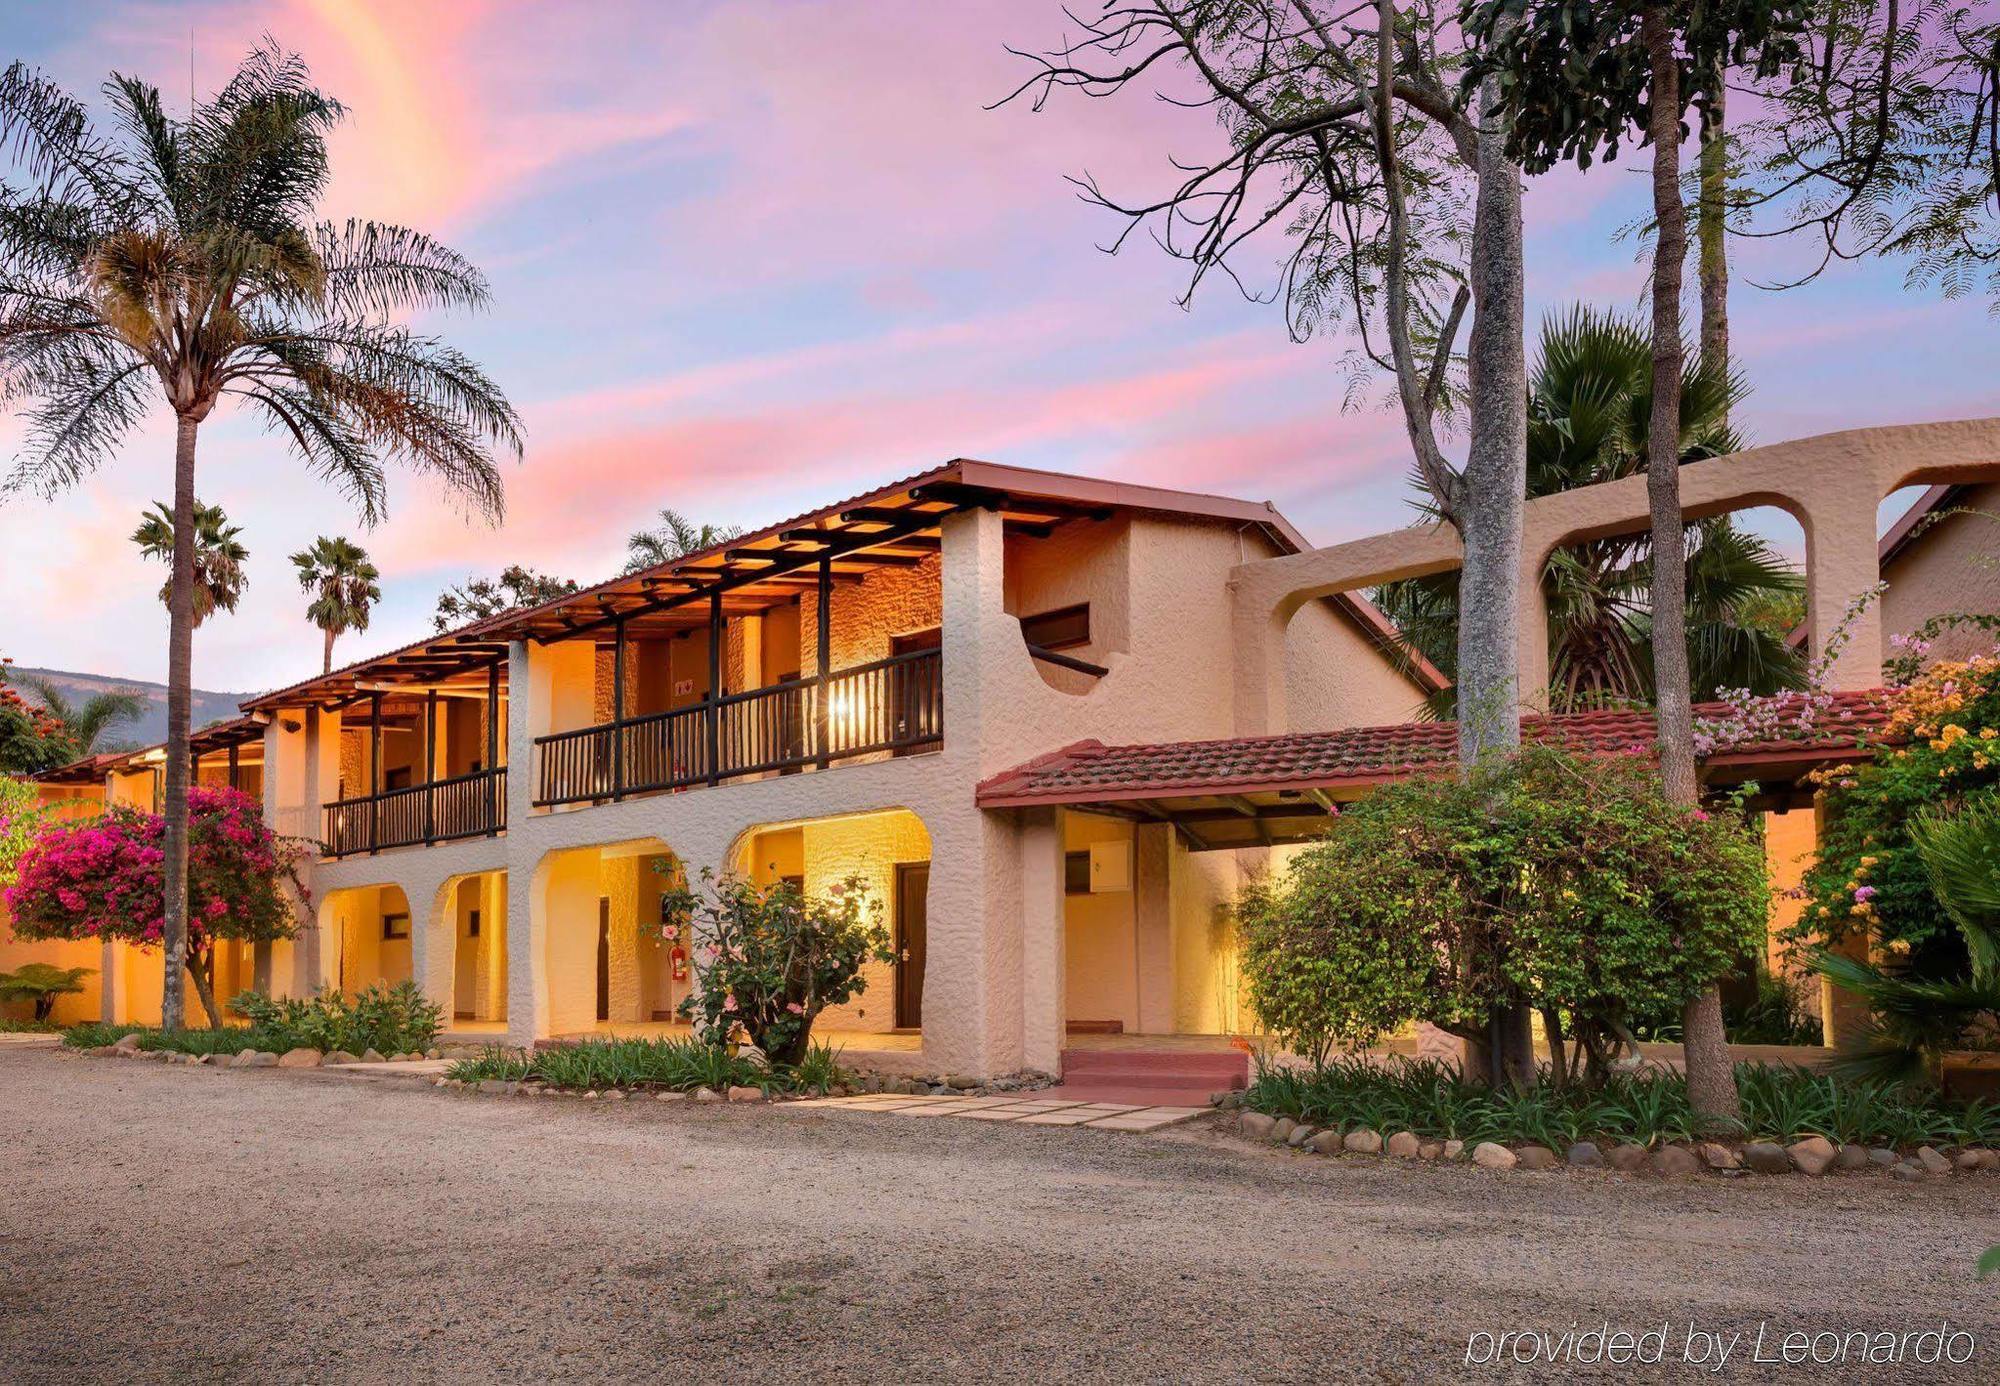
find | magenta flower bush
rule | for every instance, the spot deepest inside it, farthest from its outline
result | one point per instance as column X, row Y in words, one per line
column 101, row 878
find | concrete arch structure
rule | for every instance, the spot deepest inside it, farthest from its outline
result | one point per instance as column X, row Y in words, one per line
column 1832, row 484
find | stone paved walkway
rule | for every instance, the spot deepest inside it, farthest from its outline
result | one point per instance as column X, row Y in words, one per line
column 1026, row 1110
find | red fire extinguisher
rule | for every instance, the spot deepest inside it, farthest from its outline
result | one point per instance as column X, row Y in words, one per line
column 680, row 956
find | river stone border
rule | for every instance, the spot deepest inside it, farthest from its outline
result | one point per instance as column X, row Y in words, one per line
column 1814, row 1157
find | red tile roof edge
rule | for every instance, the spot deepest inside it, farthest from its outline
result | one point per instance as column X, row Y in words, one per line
column 1410, row 748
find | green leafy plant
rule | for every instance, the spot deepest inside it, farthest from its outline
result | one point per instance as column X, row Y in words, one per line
column 1780, row 1103
column 1545, row 879
column 41, row 984
column 770, row 959
column 389, row 1020
column 93, row 1034
column 1914, row 1021
column 675, row 1064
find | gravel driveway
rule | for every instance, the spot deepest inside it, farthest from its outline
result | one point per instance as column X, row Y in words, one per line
column 169, row 1223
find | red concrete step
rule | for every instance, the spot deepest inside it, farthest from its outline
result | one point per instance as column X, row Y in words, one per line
column 1127, row 1096
column 1189, row 1070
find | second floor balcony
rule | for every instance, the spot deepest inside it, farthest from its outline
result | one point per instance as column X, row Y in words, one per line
column 473, row 805
column 886, row 707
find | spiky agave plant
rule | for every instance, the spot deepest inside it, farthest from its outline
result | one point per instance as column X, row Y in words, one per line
column 184, row 263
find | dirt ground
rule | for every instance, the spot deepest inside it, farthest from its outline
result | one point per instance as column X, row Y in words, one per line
column 172, row 1223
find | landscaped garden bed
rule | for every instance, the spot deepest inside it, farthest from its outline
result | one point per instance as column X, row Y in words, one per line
column 375, row 1025
column 1792, row 1120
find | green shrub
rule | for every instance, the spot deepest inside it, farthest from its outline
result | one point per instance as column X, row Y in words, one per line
column 1776, row 1013
column 1565, row 883
column 92, row 1034
column 389, row 1020
column 1780, row 1103
column 674, row 1064
column 770, row 959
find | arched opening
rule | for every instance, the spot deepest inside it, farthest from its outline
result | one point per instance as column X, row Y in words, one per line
column 1071, row 590
column 369, row 930
column 474, row 922
column 607, row 965
column 890, row 851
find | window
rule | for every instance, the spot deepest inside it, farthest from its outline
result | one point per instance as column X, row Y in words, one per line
column 1076, row 873
column 1061, row 629
column 472, row 924
column 395, row 926
column 399, row 778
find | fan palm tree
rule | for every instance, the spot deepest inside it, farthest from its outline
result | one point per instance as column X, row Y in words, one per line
column 86, row 722
column 182, row 262
column 1589, row 402
column 219, row 556
column 676, row 537
column 343, row 583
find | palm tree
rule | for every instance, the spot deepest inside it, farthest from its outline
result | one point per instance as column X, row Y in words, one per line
column 183, row 262
column 344, row 585
column 219, row 556
column 676, row 537
column 86, row 722
column 1589, row 401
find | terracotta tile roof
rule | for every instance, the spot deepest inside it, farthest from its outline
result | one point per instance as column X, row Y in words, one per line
column 1091, row 772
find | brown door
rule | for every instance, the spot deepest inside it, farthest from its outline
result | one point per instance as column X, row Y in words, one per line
column 604, row 958
column 913, row 881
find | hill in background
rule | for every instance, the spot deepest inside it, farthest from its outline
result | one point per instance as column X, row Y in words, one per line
column 151, row 727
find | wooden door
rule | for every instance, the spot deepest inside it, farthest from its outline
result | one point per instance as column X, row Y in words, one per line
column 913, row 881
column 604, row 958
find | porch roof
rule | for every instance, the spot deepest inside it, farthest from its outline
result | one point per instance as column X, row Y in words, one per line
column 1263, row 790
column 895, row 525
column 216, row 736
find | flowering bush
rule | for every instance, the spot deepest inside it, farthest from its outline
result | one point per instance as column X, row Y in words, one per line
column 102, row 878
column 30, row 739
column 770, row 959
column 1546, row 879
column 1938, row 751
column 21, row 818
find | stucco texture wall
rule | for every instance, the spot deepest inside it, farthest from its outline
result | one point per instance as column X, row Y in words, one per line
column 1954, row 566
column 17, row 952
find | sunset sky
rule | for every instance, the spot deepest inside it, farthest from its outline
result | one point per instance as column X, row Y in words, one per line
column 748, row 258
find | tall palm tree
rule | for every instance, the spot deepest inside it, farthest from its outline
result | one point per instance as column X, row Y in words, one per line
column 86, row 722
column 219, row 556
column 676, row 537
column 183, row 262
column 1589, row 401
column 344, row 585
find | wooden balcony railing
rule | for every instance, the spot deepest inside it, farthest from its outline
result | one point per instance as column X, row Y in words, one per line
column 442, row 811
column 892, row 705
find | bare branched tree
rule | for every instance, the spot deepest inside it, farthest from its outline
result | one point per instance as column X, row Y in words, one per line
column 1353, row 163
column 1883, row 140
column 1350, row 164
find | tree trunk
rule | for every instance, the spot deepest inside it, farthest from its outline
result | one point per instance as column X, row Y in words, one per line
column 180, row 677
column 1705, row 1049
column 1495, row 479
column 201, row 967
column 1494, row 496
column 326, row 664
column 1711, row 227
